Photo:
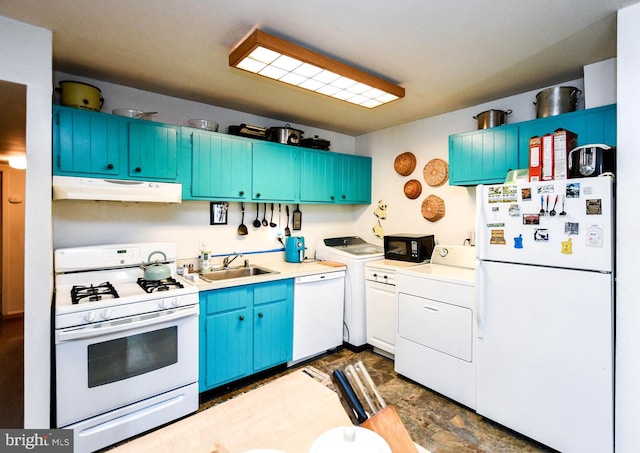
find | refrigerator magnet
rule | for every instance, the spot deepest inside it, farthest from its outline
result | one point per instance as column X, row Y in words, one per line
column 531, row 219
column 517, row 242
column 567, row 247
column 541, row 235
column 594, row 207
column 497, row 237
column 573, row 190
column 571, row 228
column 525, row 193
column 547, row 188
column 595, row 235
column 514, row 210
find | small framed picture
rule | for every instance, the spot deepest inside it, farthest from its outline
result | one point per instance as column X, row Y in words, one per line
column 219, row 213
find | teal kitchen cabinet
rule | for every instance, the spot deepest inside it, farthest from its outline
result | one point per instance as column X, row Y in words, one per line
column 244, row 330
column 94, row 144
column 317, row 176
column 153, row 150
column 597, row 125
column 353, row 178
column 87, row 143
column 484, row 156
column 328, row 177
column 220, row 166
column 275, row 171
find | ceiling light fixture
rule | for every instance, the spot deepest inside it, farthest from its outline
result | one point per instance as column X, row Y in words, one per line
column 273, row 57
column 18, row 162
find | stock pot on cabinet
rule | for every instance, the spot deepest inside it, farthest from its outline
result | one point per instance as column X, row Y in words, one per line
column 80, row 95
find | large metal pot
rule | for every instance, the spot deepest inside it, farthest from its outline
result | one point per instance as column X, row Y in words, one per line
column 286, row 135
column 492, row 118
column 556, row 100
column 80, row 95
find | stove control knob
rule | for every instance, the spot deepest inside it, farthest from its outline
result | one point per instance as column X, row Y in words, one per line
column 175, row 302
column 164, row 304
column 90, row 316
column 106, row 313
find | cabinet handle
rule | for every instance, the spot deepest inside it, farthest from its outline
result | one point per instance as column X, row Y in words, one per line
column 241, row 193
column 241, row 318
column 344, row 197
column 332, row 198
column 138, row 169
column 258, row 195
column 260, row 315
column 375, row 275
column 110, row 166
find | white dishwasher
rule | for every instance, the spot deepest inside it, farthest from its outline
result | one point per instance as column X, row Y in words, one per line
column 318, row 307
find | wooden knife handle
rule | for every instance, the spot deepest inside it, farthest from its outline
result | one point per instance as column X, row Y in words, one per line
column 389, row 426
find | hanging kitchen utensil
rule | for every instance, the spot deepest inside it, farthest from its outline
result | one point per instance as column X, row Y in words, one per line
column 553, row 210
column 297, row 218
column 155, row 271
column 563, row 212
column 242, row 229
column 546, row 211
column 272, row 224
column 256, row 222
column 264, row 217
column 287, row 231
column 541, row 205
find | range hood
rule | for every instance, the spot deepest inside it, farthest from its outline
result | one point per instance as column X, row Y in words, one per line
column 75, row 188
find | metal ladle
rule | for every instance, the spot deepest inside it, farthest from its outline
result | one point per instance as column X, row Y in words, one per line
column 553, row 210
column 264, row 218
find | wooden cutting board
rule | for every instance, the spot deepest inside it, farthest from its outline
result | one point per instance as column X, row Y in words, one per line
column 331, row 263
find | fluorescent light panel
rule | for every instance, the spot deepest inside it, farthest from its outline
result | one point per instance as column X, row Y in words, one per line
column 277, row 59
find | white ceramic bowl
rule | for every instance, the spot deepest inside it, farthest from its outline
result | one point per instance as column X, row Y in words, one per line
column 350, row 439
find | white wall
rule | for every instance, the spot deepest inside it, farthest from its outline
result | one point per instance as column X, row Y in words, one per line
column 628, row 232
column 428, row 139
column 25, row 58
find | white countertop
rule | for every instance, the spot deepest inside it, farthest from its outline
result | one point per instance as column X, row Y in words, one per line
column 282, row 268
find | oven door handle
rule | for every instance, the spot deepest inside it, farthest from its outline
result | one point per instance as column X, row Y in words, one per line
column 107, row 327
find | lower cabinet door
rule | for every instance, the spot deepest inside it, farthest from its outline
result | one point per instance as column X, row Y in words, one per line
column 272, row 336
column 228, row 338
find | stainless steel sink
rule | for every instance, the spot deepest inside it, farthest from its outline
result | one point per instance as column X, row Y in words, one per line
column 235, row 272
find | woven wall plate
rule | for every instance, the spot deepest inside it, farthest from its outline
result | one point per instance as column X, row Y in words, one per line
column 433, row 208
column 405, row 163
column 412, row 189
column 436, row 172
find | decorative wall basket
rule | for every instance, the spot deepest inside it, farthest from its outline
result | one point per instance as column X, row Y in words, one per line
column 412, row 189
column 436, row 172
column 405, row 163
column 433, row 208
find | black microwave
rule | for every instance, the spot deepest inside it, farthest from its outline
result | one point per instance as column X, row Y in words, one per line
column 409, row 247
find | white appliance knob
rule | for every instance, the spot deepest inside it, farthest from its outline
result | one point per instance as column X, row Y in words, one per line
column 90, row 317
column 444, row 252
column 175, row 302
column 106, row 313
column 164, row 303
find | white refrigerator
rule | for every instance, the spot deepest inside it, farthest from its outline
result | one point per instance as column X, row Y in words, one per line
column 545, row 310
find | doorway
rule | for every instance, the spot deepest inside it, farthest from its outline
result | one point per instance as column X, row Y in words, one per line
column 12, row 195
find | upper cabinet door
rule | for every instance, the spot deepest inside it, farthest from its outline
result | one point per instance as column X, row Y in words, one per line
column 221, row 166
column 317, row 176
column 483, row 157
column 153, row 150
column 353, row 179
column 87, row 143
column 275, row 172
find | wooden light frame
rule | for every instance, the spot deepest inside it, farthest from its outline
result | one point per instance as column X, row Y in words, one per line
column 376, row 90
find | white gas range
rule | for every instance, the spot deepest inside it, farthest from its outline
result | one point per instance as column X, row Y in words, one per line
column 126, row 348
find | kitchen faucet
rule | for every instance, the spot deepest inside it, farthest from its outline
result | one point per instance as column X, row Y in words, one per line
column 228, row 260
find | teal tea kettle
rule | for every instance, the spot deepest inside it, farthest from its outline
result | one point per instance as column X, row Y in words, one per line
column 294, row 249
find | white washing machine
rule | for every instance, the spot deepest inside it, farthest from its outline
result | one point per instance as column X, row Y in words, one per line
column 435, row 345
column 354, row 252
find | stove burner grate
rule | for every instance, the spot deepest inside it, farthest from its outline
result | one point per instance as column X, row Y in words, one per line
column 165, row 284
column 92, row 293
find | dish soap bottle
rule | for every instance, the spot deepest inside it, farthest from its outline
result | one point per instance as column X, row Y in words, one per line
column 205, row 254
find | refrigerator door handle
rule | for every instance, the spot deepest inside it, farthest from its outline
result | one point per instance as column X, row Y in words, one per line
column 481, row 301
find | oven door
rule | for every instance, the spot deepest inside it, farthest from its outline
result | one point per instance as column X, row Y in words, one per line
column 104, row 366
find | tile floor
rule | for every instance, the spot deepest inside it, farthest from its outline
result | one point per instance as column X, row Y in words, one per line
column 435, row 422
